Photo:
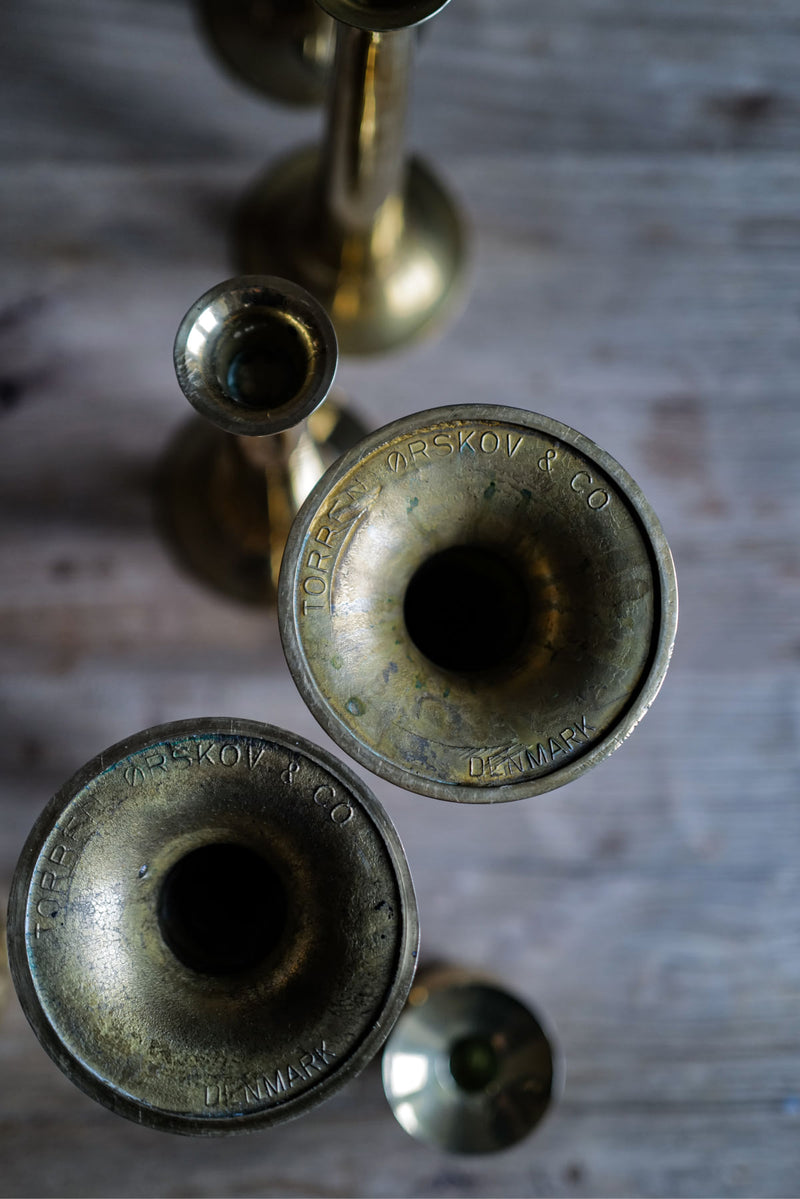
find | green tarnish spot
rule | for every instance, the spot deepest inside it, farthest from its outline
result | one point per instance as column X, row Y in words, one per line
column 354, row 706
column 446, row 693
column 526, row 495
column 490, row 490
column 412, row 505
column 418, row 683
column 336, row 662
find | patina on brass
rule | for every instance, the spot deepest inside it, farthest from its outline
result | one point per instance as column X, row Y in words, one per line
column 477, row 603
column 282, row 48
column 469, row 1068
column 256, row 356
column 212, row 926
column 372, row 235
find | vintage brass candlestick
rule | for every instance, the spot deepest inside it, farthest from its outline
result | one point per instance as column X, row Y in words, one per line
column 256, row 356
column 468, row 1068
column 282, row 48
column 477, row 603
column 212, row 926
column 374, row 236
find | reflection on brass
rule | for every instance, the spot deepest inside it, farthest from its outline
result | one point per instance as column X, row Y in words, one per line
column 256, row 356
column 468, row 1068
column 371, row 234
column 477, row 603
column 212, row 926
column 282, row 48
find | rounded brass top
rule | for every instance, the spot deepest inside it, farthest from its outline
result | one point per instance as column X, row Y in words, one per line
column 469, row 1068
column 382, row 16
column 256, row 354
column 212, row 926
column 477, row 603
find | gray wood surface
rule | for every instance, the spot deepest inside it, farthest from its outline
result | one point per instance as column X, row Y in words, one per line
column 631, row 171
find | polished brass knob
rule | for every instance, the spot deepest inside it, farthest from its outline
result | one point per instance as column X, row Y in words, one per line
column 469, row 1068
column 282, row 48
column 256, row 356
column 375, row 237
column 212, row 926
column 477, row 603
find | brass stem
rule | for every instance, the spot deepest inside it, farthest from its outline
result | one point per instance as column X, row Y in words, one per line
column 363, row 168
column 290, row 464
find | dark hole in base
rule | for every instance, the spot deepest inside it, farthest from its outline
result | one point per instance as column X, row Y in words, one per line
column 222, row 909
column 473, row 1063
column 467, row 609
column 265, row 365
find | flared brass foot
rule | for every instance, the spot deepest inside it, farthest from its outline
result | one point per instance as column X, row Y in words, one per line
column 468, row 1068
column 221, row 520
column 212, row 927
column 377, row 303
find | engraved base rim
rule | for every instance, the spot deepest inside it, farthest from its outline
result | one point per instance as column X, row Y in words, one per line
column 345, row 731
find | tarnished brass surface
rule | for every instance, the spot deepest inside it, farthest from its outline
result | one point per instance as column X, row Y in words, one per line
column 477, row 603
column 256, row 355
column 374, row 236
column 282, row 48
column 468, row 1068
column 212, row 926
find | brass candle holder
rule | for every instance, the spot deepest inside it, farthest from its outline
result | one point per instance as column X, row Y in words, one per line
column 256, row 356
column 212, row 927
column 477, row 603
column 468, row 1067
column 373, row 235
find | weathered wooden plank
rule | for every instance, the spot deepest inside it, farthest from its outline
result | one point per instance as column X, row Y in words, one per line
column 589, row 77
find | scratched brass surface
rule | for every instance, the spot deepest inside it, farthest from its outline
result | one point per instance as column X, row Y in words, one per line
column 282, row 48
column 469, row 1068
column 374, row 235
column 212, row 926
column 477, row 603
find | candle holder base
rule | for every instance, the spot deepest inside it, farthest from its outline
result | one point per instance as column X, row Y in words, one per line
column 379, row 298
column 212, row 505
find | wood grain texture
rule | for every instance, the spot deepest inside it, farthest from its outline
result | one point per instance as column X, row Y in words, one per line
column 631, row 173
